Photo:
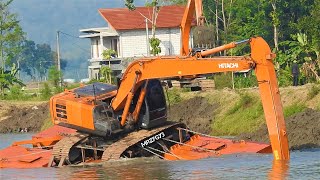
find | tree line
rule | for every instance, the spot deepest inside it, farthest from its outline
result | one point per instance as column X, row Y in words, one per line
column 292, row 28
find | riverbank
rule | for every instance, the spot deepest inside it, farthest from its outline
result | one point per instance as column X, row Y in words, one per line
column 23, row 116
column 218, row 112
column 239, row 113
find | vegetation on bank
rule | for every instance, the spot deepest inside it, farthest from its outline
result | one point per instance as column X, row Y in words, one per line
column 45, row 90
column 246, row 115
column 236, row 111
column 240, row 111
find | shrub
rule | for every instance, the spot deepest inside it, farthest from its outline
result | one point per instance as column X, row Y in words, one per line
column 284, row 77
column 54, row 76
column 45, row 92
column 15, row 93
column 245, row 82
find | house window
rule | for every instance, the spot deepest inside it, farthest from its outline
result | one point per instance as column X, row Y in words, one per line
column 114, row 45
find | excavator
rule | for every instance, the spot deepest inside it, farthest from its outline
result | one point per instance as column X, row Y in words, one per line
column 102, row 122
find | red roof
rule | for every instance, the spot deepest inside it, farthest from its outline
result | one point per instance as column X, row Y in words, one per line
column 124, row 19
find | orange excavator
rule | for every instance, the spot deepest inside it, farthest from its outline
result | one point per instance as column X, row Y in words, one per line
column 101, row 122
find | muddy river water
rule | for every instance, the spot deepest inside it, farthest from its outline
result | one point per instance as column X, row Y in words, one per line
column 302, row 165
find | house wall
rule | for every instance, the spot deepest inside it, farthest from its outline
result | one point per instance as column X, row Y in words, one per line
column 133, row 43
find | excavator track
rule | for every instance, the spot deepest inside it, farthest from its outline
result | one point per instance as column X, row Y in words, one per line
column 115, row 150
column 61, row 149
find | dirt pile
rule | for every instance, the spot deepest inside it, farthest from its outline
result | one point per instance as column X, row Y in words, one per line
column 197, row 113
column 303, row 131
column 30, row 117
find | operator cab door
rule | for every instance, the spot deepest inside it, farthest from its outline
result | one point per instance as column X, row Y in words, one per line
column 155, row 104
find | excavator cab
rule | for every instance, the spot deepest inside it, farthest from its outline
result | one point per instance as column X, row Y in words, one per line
column 154, row 108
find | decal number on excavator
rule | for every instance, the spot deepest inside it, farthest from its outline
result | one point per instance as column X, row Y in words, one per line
column 153, row 139
column 228, row 65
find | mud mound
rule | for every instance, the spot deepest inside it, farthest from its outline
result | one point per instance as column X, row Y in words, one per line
column 303, row 131
column 30, row 117
column 197, row 113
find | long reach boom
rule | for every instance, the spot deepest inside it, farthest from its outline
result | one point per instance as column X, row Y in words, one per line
column 260, row 61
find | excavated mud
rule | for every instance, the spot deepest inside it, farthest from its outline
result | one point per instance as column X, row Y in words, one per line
column 29, row 118
column 303, row 131
column 197, row 113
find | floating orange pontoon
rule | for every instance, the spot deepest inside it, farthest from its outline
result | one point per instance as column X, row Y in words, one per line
column 197, row 147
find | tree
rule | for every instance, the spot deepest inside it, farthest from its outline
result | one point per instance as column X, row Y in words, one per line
column 309, row 23
column 155, row 45
column 109, row 53
column 11, row 35
column 28, row 58
column 36, row 59
column 276, row 23
column 54, row 76
column 106, row 71
column 302, row 50
column 44, row 59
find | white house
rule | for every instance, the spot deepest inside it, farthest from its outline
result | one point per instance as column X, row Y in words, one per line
column 126, row 34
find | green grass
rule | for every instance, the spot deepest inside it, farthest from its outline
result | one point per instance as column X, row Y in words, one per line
column 245, row 101
column 245, row 116
column 293, row 109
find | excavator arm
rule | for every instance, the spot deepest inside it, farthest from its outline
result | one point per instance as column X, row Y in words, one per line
column 169, row 67
column 192, row 6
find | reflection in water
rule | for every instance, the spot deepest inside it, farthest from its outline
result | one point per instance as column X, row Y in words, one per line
column 142, row 168
column 279, row 170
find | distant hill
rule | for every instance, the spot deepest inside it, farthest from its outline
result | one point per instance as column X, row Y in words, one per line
column 40, row 19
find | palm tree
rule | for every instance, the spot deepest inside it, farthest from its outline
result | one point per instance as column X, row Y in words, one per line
column 106, row 72
column 8, row 78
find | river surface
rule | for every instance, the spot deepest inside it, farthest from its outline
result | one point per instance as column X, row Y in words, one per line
column 302, row 165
